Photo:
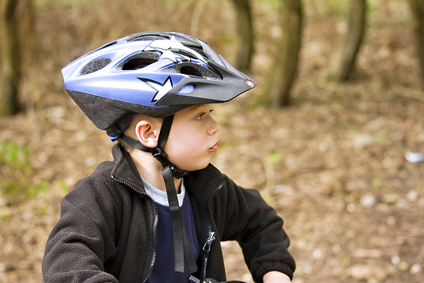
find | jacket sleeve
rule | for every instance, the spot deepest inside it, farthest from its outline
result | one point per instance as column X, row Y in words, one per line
column 82, row 240
column 258, row 229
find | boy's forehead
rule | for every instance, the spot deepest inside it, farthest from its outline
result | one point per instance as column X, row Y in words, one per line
column 194, row 108
column 198, row 106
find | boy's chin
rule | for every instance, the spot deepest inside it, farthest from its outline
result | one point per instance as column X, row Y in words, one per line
column 194, row 168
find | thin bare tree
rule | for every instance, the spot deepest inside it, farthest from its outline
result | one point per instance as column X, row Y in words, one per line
column 10, row 57
column 282, row 74
column 245, row 34
column 417, row 13
column 344, row 58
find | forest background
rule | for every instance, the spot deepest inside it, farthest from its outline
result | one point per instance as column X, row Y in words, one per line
column 332, row 163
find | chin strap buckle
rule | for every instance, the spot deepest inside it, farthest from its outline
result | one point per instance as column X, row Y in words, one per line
column 162, row 157
column 177, row 172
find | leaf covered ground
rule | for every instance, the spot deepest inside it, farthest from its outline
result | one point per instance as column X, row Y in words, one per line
column 333, row 164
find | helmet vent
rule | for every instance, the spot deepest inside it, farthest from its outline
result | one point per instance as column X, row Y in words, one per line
column 95, row 65
column 191, row 55
column 139, row 61
column 193, row 70
column 104, row 46
column 146, row 38
column 186, row 53
column 199, row 50
column 189, row 70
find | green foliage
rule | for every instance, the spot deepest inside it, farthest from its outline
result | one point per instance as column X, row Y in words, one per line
column 12, row 154
column 337, row 5
column 34, row 190
column 17, row 172
column 63, row 186
column 42, row 210
column 376, row 183
column 275, row 158
column 4, row 215
column 275, row 5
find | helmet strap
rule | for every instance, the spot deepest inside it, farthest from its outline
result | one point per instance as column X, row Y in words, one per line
column 182, row 250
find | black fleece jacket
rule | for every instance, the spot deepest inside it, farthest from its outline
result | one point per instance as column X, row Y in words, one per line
column 107, row 228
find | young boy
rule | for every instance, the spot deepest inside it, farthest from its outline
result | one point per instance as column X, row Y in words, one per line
column 158, row 212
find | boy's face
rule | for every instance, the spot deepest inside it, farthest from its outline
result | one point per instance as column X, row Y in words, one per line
column 193, row 138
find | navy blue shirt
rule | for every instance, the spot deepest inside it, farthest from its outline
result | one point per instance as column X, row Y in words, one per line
column 163, row 270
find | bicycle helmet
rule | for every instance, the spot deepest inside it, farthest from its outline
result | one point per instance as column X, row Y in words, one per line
column 153, row 73
column 156, row 74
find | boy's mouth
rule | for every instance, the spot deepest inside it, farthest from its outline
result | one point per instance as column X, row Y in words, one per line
column 214, row 148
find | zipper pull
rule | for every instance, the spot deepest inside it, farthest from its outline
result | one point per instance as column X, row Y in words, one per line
column 211, row 237
column 193, row 279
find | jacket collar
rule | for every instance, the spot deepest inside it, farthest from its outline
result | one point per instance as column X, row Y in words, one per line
column 200, row 184
column 124, row 169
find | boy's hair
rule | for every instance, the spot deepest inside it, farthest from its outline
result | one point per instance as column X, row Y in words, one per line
column 130, row 132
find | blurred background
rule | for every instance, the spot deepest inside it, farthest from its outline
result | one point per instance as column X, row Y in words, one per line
column 324, row 136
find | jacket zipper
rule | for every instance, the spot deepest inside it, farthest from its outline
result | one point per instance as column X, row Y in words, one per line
column 209, row 232
column 152, row 263
column 208, row 244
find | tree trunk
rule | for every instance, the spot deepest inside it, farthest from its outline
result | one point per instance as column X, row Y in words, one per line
column 344, row 58
column 417, row 12
column 10, row 58
column 284, row 69
column 26, row 27
column 245, row 47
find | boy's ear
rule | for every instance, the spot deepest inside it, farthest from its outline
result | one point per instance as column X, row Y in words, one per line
column 147, row 133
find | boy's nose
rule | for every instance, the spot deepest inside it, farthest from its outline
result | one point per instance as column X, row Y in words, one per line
column 215, row 127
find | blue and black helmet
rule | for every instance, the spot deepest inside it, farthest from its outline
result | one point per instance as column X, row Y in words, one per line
column 153, row 73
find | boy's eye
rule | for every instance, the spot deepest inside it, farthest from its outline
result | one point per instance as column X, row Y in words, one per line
column 201, row 115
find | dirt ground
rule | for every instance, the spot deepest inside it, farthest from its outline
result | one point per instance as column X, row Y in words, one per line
column 333, row 165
